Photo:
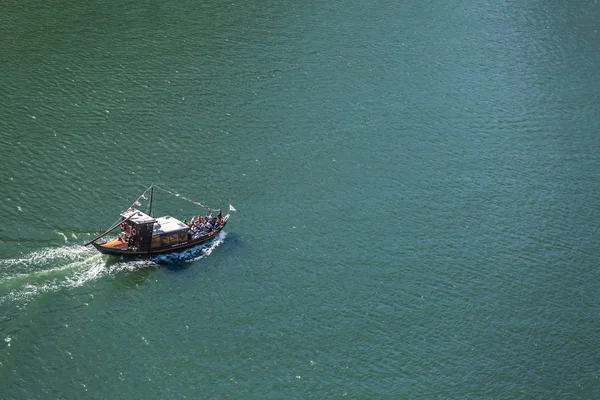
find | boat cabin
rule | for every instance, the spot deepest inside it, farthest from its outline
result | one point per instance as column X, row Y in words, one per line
column 167, row 231
column 145, row 232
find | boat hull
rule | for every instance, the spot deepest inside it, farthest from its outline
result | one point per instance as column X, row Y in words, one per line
column 120, row 249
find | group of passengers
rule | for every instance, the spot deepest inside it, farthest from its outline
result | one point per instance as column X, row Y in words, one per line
column 207, row 224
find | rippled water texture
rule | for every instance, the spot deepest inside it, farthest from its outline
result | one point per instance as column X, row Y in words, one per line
column 416, row 189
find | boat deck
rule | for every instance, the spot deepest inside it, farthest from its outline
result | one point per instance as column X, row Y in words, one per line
column 117, row 243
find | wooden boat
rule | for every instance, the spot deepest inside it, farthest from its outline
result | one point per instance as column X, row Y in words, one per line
column 143, row 235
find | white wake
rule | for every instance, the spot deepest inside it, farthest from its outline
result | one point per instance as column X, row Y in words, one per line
column 54, row 269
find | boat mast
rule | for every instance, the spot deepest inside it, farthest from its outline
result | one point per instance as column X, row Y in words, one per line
column 150, row 202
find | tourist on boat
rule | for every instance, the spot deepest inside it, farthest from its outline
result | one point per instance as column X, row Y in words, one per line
column 209, row 226
column 198, row 223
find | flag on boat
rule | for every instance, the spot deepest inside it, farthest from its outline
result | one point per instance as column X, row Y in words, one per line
column 137, row 203
column 231, row 208
column 144, row 196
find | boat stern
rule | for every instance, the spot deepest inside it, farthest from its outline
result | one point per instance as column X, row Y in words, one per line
column 116, row 246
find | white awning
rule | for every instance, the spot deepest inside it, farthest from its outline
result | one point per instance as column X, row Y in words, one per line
column 167, row 225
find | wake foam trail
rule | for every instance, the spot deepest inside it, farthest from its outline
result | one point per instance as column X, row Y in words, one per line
column 46, row 270
column 53, row 269
column 47, row 256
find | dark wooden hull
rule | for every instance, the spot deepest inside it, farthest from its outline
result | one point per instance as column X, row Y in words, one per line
column 126, row 252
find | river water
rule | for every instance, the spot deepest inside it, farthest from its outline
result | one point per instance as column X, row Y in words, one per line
column 416, row 187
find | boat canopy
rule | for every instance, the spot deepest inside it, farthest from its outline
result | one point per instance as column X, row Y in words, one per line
column 168, row 226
